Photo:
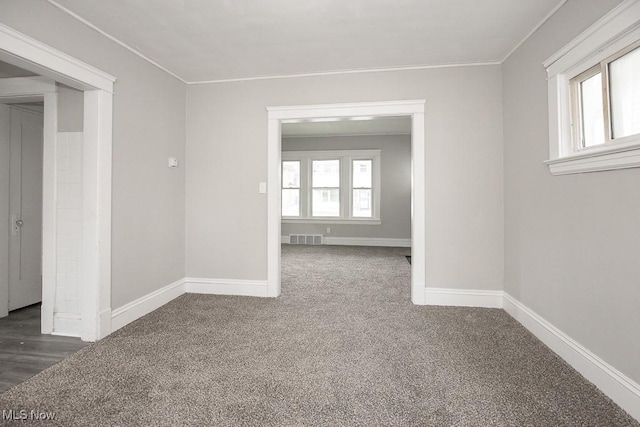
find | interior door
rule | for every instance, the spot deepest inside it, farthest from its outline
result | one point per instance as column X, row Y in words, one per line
column 25, row 209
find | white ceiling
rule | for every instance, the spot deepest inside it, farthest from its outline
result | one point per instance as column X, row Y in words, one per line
column 204, row 40
column 345, row 127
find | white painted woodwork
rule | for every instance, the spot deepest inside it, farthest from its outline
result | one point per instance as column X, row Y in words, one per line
column 412, row 108
column 30, row 54
column 25, row 207
column 68, row 233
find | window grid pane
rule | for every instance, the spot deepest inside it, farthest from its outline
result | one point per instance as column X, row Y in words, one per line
column 362, row 173
column 326, row 174
column 325, row 181
column 290, row 188
column 362, row 203
column 326, row 202
column 592, row 116
column 624, row 84
column 291, row 174
column 290, row 202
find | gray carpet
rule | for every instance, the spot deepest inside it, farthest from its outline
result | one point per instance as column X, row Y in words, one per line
column 343, row 346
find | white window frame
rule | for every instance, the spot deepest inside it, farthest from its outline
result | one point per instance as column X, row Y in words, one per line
column 603, row 42
column 346, row 158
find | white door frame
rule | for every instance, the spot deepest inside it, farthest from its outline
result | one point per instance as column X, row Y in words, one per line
column 30, row 54
column 413, row 108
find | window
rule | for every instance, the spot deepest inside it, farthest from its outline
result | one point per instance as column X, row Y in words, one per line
column 325, row 188
column 331, row 186
column 594, row 97
column 362, row 188
column 606, row 101
column 291, row 188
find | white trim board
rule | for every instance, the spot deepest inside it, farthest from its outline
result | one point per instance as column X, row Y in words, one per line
column 464, row 297
column 23, row 51
column 621, row 389
column 67, row 325
column 134, row 310
column 144, row 305
column 247, row 288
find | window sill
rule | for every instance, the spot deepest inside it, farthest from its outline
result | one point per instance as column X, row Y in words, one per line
column 331, row 221
column 596, row 160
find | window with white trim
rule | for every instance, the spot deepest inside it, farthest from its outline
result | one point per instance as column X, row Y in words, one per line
column 605, row 101
column 331, row 186
column 594, row 96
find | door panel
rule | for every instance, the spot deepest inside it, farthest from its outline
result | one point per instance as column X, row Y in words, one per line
column 25, row 242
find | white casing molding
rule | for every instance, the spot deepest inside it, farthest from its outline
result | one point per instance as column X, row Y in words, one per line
column 23, row 51
column 248, row 288
column 463, row 297
column 621, row 389
column 413, row 108
column 126, row 314
column 67, row 325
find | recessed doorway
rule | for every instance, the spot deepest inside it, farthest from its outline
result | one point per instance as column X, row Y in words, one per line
column 51, row 67
column 346, row 207
column 279, row 115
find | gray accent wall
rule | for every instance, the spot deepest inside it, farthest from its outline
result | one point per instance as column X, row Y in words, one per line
column 227, row 158
column 148, row 127
column 572, row 242
column 395, row 185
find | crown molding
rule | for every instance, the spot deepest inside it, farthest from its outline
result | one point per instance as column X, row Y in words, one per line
column 355, row 71
column 533, row 30
column 113, row 39
column 312, row 74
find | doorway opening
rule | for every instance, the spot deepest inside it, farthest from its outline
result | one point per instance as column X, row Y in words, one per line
column 46, row 70
column 353, row 204
column 21, row 125
column 346, row 205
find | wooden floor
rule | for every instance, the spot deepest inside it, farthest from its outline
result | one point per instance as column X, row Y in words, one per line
column 24, row 351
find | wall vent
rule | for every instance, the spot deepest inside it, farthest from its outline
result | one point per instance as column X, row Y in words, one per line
column 305, row 239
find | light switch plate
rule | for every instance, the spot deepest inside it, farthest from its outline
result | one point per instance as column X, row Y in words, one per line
column 262, row 188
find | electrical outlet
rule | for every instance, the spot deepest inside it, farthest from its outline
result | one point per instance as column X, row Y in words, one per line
column 328, row 230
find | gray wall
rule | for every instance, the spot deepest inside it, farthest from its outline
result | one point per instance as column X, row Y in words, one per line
column 395, row 185
column 227, row 137
column 572, row 242
column 148, row 126
column 70, row 109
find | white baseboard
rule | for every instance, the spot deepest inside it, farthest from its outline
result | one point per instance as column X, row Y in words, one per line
column 250, row 288
column 621, row 389
column 67, row 325
column 463, row 297
column 360, row 241
column 135, row 309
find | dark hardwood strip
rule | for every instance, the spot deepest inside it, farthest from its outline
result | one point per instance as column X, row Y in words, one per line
column 24, row 351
